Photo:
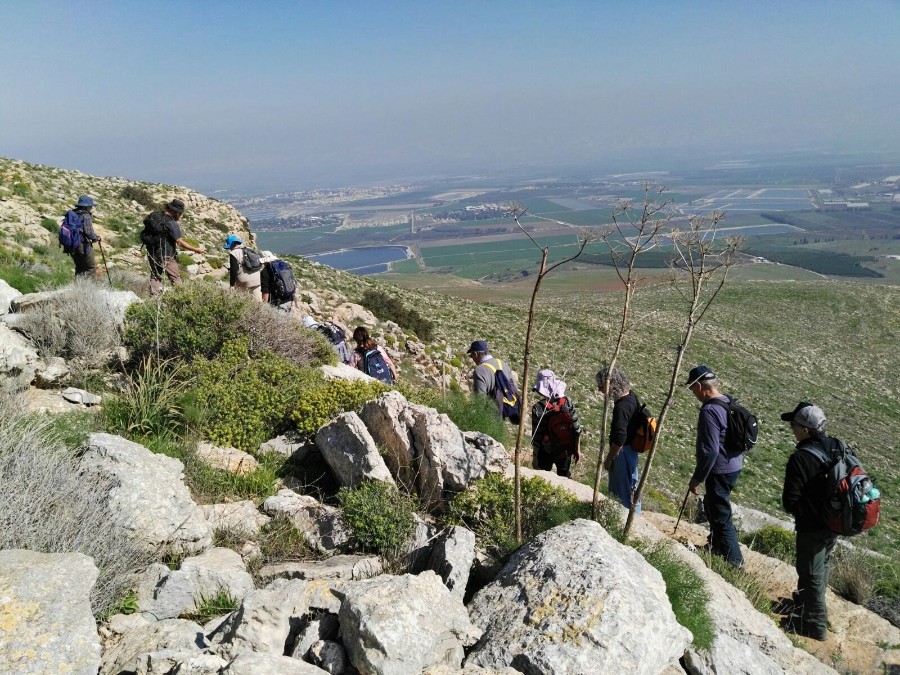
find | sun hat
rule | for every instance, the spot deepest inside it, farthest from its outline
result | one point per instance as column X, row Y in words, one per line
column 549, row 385
column 231, row 240
column 176, row 205
column 699, row 374
column 806, row 415
column 267, row 257
column 308, row 321
column 84, row 201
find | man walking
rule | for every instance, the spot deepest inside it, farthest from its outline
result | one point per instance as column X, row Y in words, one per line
column 81, row 220
column 485, row 380
column 805, row 487
column 715, row 469
column 162, row 238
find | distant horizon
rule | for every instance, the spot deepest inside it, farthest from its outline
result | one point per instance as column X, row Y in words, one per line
column 285, row 96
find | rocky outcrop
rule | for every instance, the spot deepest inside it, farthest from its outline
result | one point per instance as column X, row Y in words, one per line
column 140, row 646
column 46, row 625
column 239, row 518
column 321, row 525
column 227, row 458
column 574, row 600
column 350, row 451
column 452, row 557
column 7, row 295
column 19, row 360
column 148, row 498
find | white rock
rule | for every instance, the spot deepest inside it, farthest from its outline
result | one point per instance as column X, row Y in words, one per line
column 7, row 295
column 19, row 360
column 54, row 371
column 74, row 395
column 321, row 525
column 227, row 458
column 269, row 664
column 452, row 557
column 241, row 518
column 349, row 567
column 131, row 650
column 350, row 451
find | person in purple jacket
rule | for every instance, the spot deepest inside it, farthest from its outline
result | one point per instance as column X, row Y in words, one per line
column 715, row 469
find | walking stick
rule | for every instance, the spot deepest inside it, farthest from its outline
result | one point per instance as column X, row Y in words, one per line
column 681, row 513
column 103, row 255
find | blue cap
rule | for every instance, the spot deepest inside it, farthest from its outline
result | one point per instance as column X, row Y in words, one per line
column 231, row 240
column 699, row 374
column 85, row 201
column 478, row 346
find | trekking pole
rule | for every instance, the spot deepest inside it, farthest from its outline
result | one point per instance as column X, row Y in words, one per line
column 681, row 513
column 103, row 255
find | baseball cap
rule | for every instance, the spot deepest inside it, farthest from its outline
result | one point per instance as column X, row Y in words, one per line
column 699, row 374
column 478, row 346
column 806, row 415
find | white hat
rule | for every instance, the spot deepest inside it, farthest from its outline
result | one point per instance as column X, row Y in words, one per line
column 547, row 384
column 267, row 257
column 308, row 321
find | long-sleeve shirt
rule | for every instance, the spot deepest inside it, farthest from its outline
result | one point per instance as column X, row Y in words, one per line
column 805, row 487
column 710, row 451
column 624, row 423
column 540, row 419
column 483, row 380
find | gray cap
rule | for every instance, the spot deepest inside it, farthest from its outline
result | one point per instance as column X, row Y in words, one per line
column 806, row 415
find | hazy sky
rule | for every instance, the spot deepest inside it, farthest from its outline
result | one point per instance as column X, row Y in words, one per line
column 273, row 95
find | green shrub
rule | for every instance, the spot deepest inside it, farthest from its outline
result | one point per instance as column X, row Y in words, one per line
column 184, row 259
column 241, row 401
column 140, row 195
column 488, row 511
column 773, row 541
column 209, row 608
column 50, row 225
column 151, row 404
column 687, row 593
column 388, row 308
column 210, row 485
column 380, row 516
column 475, row 413
column 322, row 400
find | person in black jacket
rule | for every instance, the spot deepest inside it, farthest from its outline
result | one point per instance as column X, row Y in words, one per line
column 162, row 237
column 556, row 429
column 621, row 461
column 805, row 489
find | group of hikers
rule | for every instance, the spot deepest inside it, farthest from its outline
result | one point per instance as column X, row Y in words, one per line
column 556, row 427
column 812, row 474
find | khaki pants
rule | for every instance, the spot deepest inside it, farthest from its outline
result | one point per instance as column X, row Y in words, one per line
column 169, row 266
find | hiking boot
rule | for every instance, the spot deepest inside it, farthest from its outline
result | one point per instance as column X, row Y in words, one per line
column 796, row 625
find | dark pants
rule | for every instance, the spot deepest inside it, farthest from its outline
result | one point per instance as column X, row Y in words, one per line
column 546, row 461
column 160, row 266
column 85, row 263
column 813, row 563
column 717, row 504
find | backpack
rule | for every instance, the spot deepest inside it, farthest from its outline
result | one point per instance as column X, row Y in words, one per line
column 283, row 283
column 853, row 502
column 506, row 394
column 373, row 364
column 643, row 437
column 742, row 431
column 154, row 230
column 334, row 333
column 561, row 438
column 250, row 261
column 71, row 232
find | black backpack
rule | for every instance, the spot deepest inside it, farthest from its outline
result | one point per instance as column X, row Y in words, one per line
column 742, row 431
column 333, row 332
column 373, row 364
column 283, row 283
column 154, row 230
column 250, row 262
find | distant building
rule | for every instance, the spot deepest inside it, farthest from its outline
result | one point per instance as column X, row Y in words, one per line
column 834, row 205
column 858, row 206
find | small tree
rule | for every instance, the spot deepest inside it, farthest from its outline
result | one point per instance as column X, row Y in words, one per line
column 517, row 212
column 637, row 233
column 700, row 268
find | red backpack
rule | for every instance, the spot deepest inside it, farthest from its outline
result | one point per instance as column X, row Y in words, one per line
column 560, row 434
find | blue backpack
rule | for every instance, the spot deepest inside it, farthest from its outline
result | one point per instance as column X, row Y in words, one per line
column 373, row 364
column 505, row 392
column 71, row 232
column 283, row 281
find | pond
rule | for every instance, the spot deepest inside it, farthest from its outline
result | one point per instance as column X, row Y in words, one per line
column 365, row 260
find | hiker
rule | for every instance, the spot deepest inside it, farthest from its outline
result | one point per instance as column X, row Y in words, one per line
column 370, row 358
column 484, row 380
column 162, row 238
column 243, row 274
column 556, row 429
column 715, row 469
column 277, row 284
column 81, row 220
column 621, row 461
column 335, row 335
column 805, row 487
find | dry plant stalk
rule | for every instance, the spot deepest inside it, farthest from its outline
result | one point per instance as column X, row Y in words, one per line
column 700, row 268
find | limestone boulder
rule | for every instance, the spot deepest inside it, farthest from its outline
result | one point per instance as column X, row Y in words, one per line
column 321, row 525
column 496, row 458
column 574, row 600
column 241, row 518
column 349, row 567
column 54, row 371
column 149, row 499
column 7, row 295
column 129, row 654
column 269, row 664
column 227, row 458
column 329, row 656
column 395, row 625
column 19, row 360
column 46, row 624
column 389, row 423
column 344, row 372
column 350, row 451
column 452, row 557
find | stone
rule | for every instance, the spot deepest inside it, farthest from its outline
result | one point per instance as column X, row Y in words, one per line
column 74, row 395
column 345, row 372
column 46, row 624
column 349, row 567
column 286, row 446
column 350, row 451
column 496, row 458
column 149, row 499
column 452, row 557
column 387, row 421
column 227, row 458
column 7, row 295
column 324, row 626
column 576, row 600
column 424, row 532
column 131, row 650
column 54, row 370
column 329, row 656
column 321, row 525
column 240, row 518
column 269, row 664
column 404, row 624
column 19, row 360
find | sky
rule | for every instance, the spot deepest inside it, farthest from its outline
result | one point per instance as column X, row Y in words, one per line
column 276, row 95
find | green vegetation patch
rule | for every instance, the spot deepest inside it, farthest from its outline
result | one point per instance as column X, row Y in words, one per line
column 390, row 308
column 380, row 516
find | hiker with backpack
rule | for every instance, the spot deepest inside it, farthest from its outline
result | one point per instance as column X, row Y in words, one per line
column 370, row 358
column 494, row 378
column 335, row 335
column 715, row 468
column 814, row 496
column 76, row 236
column 277, row 283
column 244, row 267
column 162, row 239
column 628, row 418
column 555, row 427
